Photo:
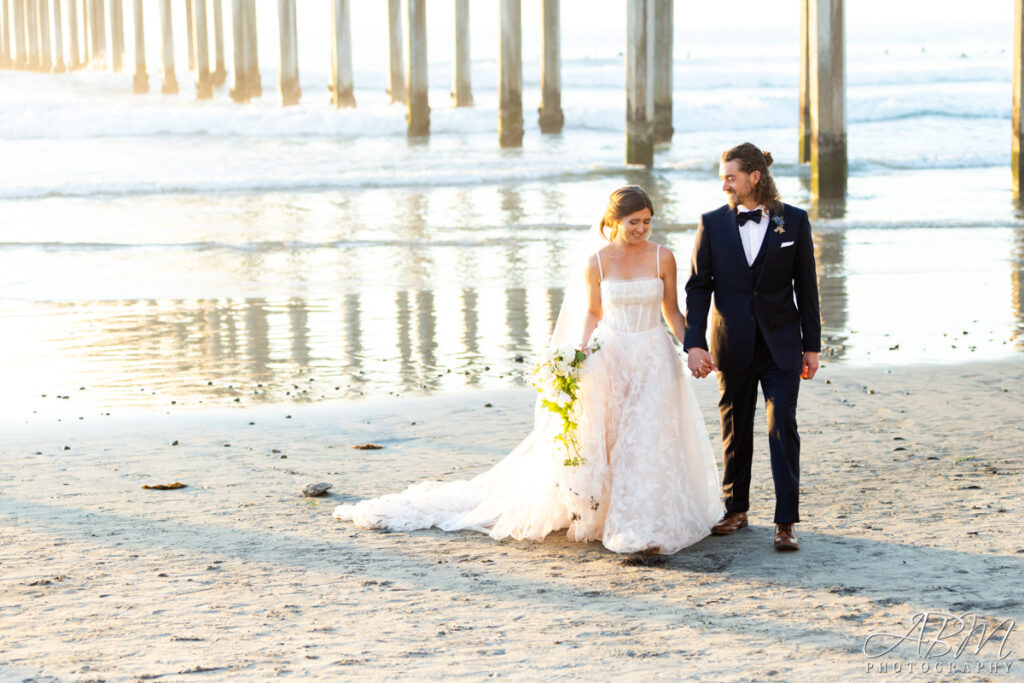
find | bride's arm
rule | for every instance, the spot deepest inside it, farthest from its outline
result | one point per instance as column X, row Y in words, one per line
column 594, row 311
column 670, row 302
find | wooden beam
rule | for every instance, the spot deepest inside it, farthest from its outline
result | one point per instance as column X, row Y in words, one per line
column 828, row 98
column 204, row 83
column 462, row 81
column 220, row 74
column 252, row 52
column 5, row 45
column 58, row 37
column 804, row 114
column 98, row 24
column 190, row 32
column 43, row 26
column 32, row 30
column 663, row 47
column 342, row 86
column 639, row 84
column 1017, row 144
column 418, row 116
column 240, row 88
column 396, row 68
column 74, row 53
column 140, row 82
column 510, row 74
column 116, row 35
column 551, row 117
column 170, row 82
column 289, row 73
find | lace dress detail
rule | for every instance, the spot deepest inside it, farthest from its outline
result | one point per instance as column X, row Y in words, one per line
column 648, row 478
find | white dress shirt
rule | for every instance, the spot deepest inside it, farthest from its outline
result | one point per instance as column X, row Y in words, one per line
column 752, row 234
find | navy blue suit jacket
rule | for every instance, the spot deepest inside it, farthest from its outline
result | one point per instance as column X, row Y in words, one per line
column 778, row 294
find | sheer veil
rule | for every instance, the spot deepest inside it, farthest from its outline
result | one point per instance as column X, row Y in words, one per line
column 569, row 324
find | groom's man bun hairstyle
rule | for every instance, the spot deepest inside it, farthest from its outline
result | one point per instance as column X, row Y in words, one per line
column 752, row 159
column 621, row 203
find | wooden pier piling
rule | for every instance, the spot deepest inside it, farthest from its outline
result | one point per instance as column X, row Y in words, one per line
column 418, row 116
column 396, row 68
column 219, row 74
column 170, row 82
column 116, row 35
column 663, row 45
column 342, row 86
column 204, row 83
column 551, row 116
column 191, row 34
column 5, row 31
column 43, row 26
column 74, row 53
column 289, row 71
column 140, row 82
column 804, row 107
column 639, row 83
column 86, row 44
column 252, row 52
column 1017, row 117
column 827, row 100
column 32, row 32
column 98, row 24
column 18, row 30
column 240, row 88
column 510, row 74
column 58, row 38
column 462, row 88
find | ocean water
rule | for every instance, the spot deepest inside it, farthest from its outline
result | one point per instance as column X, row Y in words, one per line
column 155, row 249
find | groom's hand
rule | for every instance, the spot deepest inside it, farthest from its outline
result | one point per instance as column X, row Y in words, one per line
column 700, row 362
column 810, row 366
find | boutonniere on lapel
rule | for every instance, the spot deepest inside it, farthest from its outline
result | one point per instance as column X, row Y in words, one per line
column 779, row 222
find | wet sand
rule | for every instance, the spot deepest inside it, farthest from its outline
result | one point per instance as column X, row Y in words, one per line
column 912, row 501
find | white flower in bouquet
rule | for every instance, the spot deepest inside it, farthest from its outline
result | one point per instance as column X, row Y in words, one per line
column 556, row 376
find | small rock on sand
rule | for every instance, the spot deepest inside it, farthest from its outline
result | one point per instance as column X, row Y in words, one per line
column 315, row 489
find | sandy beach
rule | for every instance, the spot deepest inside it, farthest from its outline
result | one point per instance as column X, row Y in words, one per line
column 912, row 503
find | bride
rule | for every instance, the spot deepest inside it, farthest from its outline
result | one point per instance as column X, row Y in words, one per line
column 648, row 481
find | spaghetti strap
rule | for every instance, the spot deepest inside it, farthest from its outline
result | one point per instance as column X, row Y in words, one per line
column 599, row 269
column 657, row 258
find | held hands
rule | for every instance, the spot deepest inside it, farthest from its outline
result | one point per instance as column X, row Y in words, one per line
column 702, row 364
column 810, row 365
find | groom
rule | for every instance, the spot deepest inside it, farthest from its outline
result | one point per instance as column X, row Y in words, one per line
column 756, row 257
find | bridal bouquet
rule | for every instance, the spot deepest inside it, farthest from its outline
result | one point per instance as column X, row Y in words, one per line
column 556, row 376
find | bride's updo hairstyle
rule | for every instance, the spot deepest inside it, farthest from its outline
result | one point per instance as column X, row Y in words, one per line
column 752, row 159
column 623, row 202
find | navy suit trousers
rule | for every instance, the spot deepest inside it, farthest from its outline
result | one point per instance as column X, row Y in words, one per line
column 736, row 408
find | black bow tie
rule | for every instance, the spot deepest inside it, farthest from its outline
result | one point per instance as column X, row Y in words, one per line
column 744, row 216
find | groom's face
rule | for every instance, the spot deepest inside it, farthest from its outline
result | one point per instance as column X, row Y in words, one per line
column 736, row 184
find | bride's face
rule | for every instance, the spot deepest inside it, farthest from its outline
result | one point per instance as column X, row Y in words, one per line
column 633, row 229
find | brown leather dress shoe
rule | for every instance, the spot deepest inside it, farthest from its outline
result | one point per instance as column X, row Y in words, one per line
column 730, row 523
column 785, row 539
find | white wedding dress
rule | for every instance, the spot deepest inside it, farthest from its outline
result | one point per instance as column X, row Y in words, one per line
column 648, row 478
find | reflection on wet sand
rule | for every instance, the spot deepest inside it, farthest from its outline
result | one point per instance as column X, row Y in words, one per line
column 828, row 254
column 1017, row 286
column 436, row 330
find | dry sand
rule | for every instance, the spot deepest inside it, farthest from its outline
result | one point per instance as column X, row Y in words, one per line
column 912, row 501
